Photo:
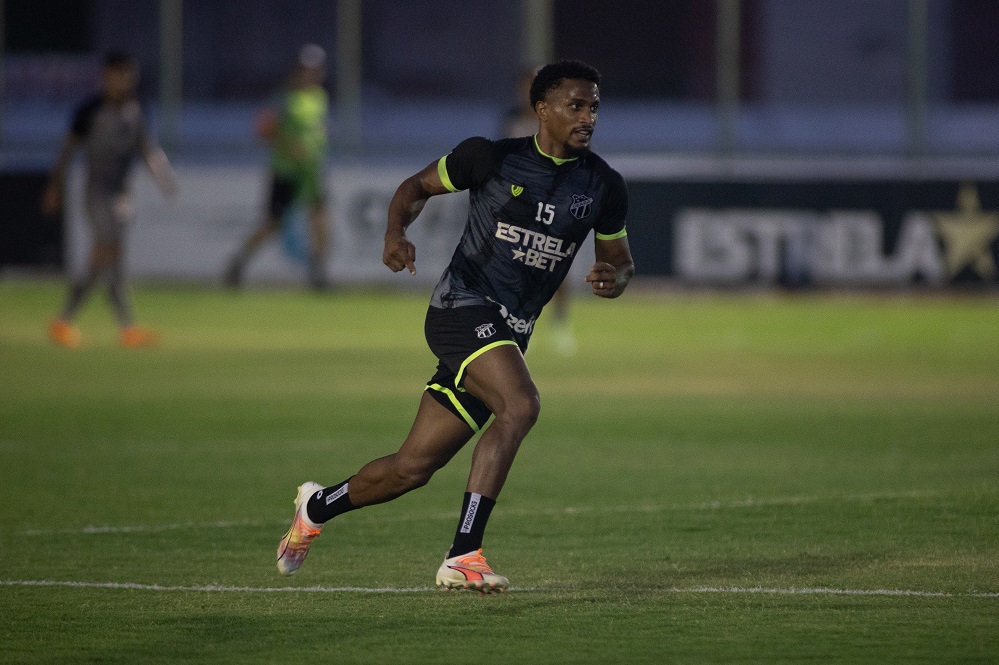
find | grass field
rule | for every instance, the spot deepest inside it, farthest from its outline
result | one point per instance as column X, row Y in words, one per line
column 714, row 478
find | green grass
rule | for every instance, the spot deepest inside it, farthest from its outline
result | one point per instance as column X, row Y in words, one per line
column 700, row 459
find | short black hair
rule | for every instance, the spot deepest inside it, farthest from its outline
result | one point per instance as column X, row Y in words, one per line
column 550, row 76
column 115, row 59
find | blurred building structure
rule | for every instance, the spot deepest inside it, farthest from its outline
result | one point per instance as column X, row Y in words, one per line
column 798, row 142
column 898, row 77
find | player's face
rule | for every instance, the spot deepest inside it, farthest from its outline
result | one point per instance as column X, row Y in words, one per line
column 120, row 82
column 308, row 76
column 569, row 115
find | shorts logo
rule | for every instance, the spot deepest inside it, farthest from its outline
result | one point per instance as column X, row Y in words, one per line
column 580, row 206
column 516, row 190
column 485, row 331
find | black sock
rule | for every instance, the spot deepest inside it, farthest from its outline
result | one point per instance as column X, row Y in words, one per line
column 327, row 503
column 475, row 510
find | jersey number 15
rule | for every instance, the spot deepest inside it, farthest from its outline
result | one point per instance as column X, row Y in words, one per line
column 546, row 212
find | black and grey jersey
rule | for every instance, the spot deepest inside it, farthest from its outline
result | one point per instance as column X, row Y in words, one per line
column 111, row 140
column 529, row 214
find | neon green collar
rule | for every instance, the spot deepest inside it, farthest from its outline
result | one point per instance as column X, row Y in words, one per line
column 558, row 160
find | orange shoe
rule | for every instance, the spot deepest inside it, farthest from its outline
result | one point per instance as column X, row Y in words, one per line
column 134, row 337
column 64, row 334
column 470, row 571
column 294, row 546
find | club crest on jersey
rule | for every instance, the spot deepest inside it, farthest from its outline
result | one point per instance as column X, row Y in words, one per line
column 580, row 206
column 516, row 190
column 485, row 331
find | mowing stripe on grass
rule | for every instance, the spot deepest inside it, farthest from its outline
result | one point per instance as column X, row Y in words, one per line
column 219, row 588
column 529, row 512
column 208, row 587
column 793, row 591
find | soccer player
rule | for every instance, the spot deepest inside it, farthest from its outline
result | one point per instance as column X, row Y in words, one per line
column 297, row 134
column 111, row 130
column 520, row 120
column 533, row 201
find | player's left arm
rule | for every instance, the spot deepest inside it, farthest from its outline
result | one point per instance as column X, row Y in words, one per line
column 613, row 269
column 158, row 164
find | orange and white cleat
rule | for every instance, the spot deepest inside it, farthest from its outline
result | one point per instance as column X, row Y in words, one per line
column 65, row 334
column 294, row 547
column 136, row 337
column 470, row 571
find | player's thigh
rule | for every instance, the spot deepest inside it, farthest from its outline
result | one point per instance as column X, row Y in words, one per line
column 501, row 379
column 435, row 437
column 109, row 216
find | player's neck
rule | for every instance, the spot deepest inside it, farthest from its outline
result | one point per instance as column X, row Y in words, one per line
column 553, row 150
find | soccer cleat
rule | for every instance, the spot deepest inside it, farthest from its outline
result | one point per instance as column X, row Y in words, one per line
column 135, row 337
column 64, row 334
column 294, row 546
column 470, row 571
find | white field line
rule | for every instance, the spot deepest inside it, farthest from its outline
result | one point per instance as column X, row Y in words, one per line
column 220, row 588
column 530, row 512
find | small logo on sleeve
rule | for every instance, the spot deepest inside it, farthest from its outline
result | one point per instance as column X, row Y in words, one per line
column 485, row 331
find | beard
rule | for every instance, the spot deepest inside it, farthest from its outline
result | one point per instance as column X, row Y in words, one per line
column 575, row 151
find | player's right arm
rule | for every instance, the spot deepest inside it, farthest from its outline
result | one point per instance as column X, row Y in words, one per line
column 52, row 196
column 406, row 205
column 78, row 130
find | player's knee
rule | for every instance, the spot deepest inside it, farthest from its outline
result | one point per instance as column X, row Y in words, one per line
column 521, row 410
column 410, row 473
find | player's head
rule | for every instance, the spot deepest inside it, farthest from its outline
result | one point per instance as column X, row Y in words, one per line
column 120, row 75
column 524, row 82
column 310, row 67
column 566, row 95
column 551, row 76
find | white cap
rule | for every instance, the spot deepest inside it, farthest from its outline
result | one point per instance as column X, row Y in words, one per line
column 312, row 55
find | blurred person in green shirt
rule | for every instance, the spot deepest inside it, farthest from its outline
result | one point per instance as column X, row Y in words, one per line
column 297, row 135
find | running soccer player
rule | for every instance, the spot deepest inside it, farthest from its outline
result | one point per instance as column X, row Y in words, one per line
column 111, row 129
column 520, row 120
column 533, row 201
column 298, row 138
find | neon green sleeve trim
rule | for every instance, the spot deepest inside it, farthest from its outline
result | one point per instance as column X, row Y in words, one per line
column 613, row 236
column 442, row 172
column 456, row 404
column 487, row 347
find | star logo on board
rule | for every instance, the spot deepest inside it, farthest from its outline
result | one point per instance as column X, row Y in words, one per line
column 967, row 235
column 518, row 255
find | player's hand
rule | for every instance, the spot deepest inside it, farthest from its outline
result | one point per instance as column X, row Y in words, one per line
column 265, row 125
column 399, row 253
column 51, row 201
column 602, row 279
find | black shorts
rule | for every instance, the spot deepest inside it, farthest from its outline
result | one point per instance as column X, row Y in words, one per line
column 282, row 195
column 457, row 337
column 286, row 190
